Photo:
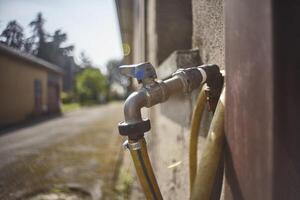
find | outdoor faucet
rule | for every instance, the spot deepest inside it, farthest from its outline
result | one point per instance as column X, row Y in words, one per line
column 152, row 92
column 155, row 91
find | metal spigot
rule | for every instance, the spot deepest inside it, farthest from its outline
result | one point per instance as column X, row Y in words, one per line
column 143, row 72
column 154, row 92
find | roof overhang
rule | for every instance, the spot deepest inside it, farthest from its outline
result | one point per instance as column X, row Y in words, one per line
column 30, row 58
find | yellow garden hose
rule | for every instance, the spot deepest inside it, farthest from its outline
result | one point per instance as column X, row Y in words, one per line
column 195, row 125
column 139, row 154
column 211, row 155
column 202, row 182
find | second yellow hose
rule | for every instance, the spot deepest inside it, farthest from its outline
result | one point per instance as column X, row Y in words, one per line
column 211, row 155
column 195, row 125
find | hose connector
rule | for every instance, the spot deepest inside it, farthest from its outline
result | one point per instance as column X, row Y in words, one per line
column 134, row 131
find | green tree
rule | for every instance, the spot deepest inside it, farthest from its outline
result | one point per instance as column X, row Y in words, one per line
column 54, row 52
column 85, row 61
column 91, row 86
column 39, row 32
column 13, row 35
column 57, row 40
column 115, row 77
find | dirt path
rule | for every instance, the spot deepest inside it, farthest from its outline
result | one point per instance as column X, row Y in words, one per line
column 78, row 152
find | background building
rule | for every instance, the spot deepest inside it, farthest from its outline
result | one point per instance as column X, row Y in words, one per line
column 29, row 86
column 261, row 39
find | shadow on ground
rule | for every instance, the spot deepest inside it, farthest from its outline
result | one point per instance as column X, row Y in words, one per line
column 29, row 122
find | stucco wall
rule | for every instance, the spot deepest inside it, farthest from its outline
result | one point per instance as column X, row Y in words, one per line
column 208, row 30
column 170, row 134
column 169, row 28
column 17, row 88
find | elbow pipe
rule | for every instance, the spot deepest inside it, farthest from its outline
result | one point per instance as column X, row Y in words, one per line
column 133, row 105
column 182, row 81
column 134, row 126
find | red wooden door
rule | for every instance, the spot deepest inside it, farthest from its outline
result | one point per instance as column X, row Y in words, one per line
column 53, row 97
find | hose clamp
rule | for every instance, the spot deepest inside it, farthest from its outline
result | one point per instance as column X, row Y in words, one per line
column 203, row 74
column 132, row 146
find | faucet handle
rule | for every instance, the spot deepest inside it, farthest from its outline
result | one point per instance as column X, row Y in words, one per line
column 143, row 72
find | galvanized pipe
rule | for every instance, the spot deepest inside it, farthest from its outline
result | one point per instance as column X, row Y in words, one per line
column 155, row 93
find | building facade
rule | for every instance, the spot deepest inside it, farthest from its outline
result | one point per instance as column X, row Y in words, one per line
column 255, row 42
column 29, row 86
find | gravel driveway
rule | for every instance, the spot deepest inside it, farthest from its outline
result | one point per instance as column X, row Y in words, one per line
column 76, row 153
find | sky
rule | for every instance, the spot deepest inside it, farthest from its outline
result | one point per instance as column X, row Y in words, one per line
column 91, row 25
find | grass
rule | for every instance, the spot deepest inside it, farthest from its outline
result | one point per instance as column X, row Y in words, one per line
column 70, row 107
column 124, row 184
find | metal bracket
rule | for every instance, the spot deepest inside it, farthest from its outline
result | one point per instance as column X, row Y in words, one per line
column 132, row 146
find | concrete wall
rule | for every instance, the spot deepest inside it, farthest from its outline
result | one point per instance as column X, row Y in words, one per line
column 17, row 88
column 169, row 137
column 208, row 30
column 139, row 31
column 125, row 16
column 169, row 28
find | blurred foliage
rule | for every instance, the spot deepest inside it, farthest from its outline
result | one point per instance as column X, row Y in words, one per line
column 67, row 97
column 124, row 184
column 67, row 107
column 114, row 74
column 13, row 35
column 53, row 51
column 38, row 38
column 42, row 44
column 91, row 86
column 49, row 46
column 85, row 61
column 115, row 77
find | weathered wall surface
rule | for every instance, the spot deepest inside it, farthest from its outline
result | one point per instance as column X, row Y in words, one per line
column 169, row 138
column 169, row 28
column 17, row 89
column 169, row 31
column 208, row 30
column 125, row 16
